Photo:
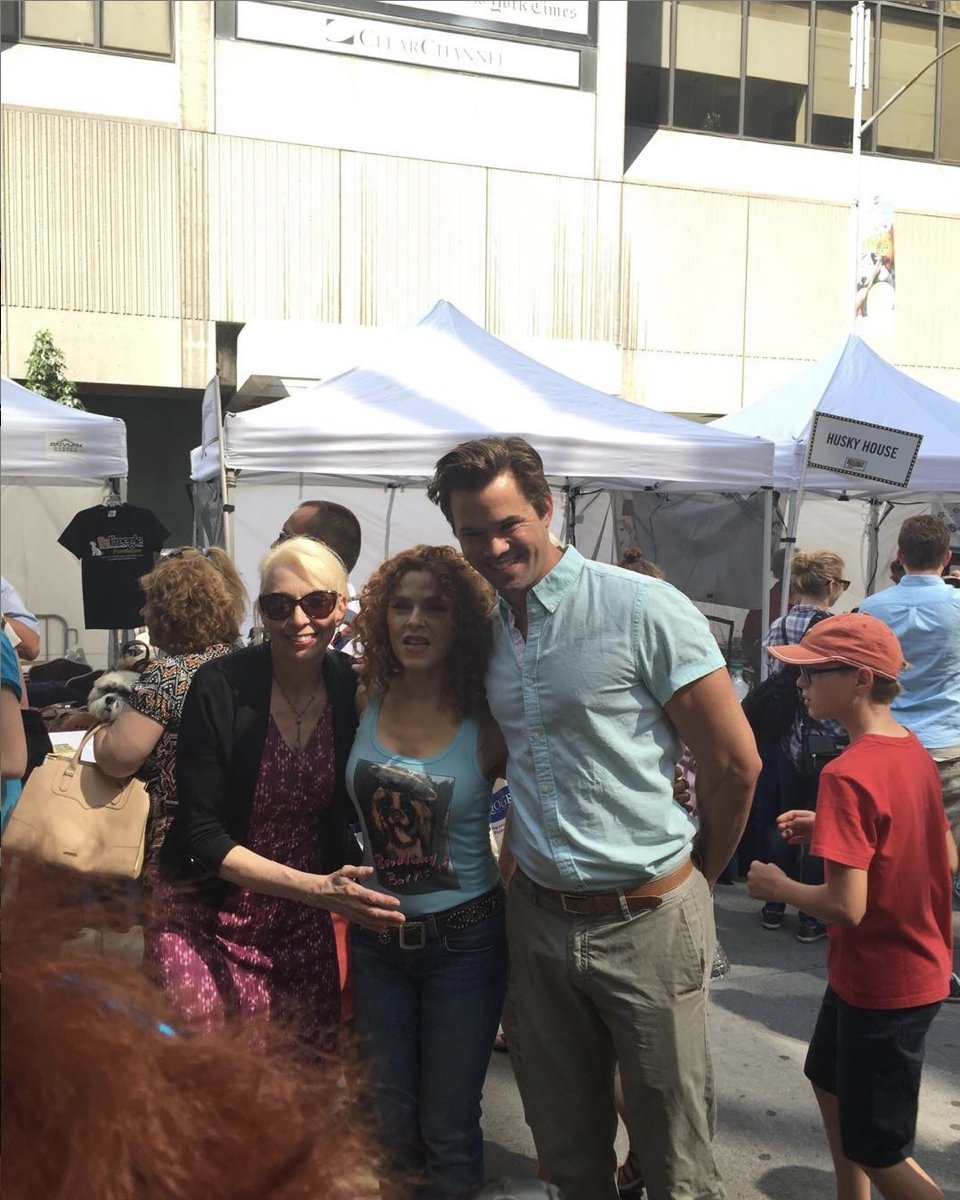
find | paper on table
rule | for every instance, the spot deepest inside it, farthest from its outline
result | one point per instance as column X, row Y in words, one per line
column 65, row 743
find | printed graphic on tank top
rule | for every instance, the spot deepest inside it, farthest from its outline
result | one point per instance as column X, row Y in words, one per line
column 406, row 814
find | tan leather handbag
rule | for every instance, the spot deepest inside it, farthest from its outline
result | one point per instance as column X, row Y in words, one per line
column 70, row 814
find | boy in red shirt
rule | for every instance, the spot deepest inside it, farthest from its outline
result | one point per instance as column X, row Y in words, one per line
column 888, row 853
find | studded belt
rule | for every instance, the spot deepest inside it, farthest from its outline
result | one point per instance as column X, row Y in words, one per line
column 414, row 935
column 602, row 904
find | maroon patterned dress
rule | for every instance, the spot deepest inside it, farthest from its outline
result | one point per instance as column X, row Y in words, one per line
column 260, row 956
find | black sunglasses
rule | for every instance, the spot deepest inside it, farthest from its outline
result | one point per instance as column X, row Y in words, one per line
column 807, row 673
column 277, row 606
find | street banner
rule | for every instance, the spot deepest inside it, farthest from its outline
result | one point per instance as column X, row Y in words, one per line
column 876, row 298
column 862, row 449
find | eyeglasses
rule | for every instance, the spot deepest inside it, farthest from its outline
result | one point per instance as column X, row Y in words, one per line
column 844, row 584
column 277, row 606
column 807, row 673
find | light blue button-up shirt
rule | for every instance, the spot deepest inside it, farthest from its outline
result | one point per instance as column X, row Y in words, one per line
column 591, row 751
column 924, row 613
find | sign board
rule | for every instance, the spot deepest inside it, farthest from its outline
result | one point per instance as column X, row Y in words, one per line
column 545, row 20
column 537, row 16
column 411, row 44
column 862, row 449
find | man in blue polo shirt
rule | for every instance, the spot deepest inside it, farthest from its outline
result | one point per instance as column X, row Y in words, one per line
column 598, row 676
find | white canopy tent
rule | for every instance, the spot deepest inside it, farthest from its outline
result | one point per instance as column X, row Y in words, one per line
column 55, row 462
column 376, row 432
column 856, row 383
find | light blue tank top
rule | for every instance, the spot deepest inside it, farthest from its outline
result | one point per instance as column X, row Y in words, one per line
column 425, row 822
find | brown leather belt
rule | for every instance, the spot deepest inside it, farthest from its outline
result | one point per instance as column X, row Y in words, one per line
column 603, row 904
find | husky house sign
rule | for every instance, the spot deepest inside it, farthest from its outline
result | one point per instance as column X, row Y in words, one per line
column 862, row 449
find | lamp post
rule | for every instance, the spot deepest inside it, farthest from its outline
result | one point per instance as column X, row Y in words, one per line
column 860, row 19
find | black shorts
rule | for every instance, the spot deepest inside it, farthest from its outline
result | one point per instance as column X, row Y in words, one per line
column 871, row 1059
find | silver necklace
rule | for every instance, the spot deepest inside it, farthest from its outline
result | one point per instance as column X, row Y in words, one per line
column 298, row 716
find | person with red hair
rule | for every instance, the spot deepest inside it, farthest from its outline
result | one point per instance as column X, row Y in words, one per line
column 105, row 1097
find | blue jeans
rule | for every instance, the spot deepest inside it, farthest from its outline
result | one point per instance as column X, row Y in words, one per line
column 425, row 1022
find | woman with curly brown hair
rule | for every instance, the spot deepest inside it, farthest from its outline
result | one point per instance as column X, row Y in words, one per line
column 428, row 995
column 195, row 602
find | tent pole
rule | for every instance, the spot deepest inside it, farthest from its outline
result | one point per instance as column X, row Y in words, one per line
column 767, row 550
column 570, row 514
column 873, row 546
column 228, row 483
column 789, row 541
column 392, row 489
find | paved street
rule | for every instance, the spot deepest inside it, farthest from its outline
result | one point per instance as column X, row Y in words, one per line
column 770, row 1143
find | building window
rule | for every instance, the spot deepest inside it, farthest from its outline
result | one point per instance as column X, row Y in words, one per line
column 778, row 70
column 832, row 123
column 707, row 80
column 908, row 41
column 141, row 27
column 778, row 53
column 648, row 64
column 950, row 96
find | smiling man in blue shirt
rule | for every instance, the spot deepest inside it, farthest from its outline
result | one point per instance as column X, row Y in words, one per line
column 598, row 676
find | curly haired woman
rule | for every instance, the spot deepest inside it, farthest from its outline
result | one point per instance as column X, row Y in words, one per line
column 195, row 602
column 428, row 995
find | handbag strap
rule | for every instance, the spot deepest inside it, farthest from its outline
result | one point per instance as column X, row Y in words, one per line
column 75, row 761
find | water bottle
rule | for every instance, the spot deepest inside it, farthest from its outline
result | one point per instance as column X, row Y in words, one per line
column 740, row 685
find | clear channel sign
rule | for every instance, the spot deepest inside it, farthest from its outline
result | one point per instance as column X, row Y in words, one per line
column 862, row 449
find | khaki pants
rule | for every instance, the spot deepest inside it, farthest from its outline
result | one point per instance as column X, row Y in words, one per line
column 948, row 764
column 594, row 993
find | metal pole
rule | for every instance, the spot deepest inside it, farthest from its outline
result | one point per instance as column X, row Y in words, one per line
column 859, row 79
column 767, row 554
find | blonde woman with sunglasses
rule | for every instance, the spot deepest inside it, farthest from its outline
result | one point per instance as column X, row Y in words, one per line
column 816, row 584
column 254, row 862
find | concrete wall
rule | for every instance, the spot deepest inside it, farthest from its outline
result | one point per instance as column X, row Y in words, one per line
column 248, row 183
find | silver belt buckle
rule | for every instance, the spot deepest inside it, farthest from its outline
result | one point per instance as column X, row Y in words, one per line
column 412, row 935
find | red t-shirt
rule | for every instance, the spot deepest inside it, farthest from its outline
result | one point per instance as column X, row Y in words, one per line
column 880, row 809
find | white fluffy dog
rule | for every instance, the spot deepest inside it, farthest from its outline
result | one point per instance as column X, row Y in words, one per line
column 111, row 690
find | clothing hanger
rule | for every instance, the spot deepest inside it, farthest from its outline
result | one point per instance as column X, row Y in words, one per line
column 111, row 495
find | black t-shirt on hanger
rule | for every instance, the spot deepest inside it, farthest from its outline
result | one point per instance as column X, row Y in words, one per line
column 116, row 544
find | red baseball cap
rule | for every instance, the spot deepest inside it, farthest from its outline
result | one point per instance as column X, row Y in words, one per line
column 856, row 639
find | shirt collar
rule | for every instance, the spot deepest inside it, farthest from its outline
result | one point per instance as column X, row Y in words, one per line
column 914, row 581
column 556, row 583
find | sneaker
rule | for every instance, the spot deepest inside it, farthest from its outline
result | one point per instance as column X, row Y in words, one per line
column 953, row 996
column 811, row 930
column 772, row 916
column 629, row 1178
column 721, row 964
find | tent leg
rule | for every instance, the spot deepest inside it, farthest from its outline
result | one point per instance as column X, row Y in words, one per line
column 873, row 545
column 789, row 542
column 229, row 481
column 392, row 489
column 767, row 554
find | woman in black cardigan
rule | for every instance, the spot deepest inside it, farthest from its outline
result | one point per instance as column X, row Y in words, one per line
column 254, row 861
